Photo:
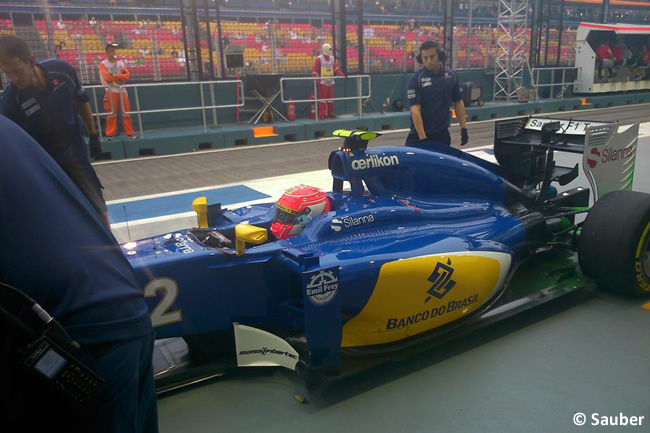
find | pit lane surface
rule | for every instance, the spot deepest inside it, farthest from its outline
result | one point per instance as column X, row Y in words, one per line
column 145, row 176
column 535, row 372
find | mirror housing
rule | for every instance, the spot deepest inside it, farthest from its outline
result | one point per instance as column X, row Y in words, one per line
column 249, row 233
column 200, row 206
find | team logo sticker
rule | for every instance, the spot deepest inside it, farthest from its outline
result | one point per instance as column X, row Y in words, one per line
column 593, row 162
column 441, row 279
column 347, row 222
column 178, row 243
column 608, row 154
column 321, row 286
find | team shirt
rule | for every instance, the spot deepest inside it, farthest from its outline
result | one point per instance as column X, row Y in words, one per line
column 604, row 52
column 49, row 116
column 435, row 95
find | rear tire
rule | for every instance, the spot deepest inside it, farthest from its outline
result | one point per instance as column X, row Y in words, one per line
column 614, row 244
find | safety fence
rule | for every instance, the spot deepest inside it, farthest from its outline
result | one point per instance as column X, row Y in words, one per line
column 556, row 80
column 213, row 95
column 363, row 86
column 205, row 107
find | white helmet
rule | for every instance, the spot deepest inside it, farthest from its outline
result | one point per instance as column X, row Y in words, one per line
column 327, row 49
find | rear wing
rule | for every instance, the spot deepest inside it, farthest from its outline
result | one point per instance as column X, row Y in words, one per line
column 524, row 148
column 609, row 158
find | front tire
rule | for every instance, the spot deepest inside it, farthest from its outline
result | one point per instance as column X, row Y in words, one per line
column 614, row 244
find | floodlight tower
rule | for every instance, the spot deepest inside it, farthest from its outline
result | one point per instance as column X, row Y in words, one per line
column 512, row 25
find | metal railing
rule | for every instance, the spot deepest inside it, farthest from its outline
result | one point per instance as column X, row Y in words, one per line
column 359, row 84
column 563, row 81
column 135, row 102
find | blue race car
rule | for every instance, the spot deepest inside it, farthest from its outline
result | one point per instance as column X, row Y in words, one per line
column 410, row 247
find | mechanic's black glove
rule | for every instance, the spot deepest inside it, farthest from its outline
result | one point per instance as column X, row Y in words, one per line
column 94, row 145
column 464, row 138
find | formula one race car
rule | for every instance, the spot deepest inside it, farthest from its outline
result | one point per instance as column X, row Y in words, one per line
column 411, row 246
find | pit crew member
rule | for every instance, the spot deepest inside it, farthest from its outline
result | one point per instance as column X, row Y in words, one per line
column 431, row 92
column 59, row 253
column 47, row 99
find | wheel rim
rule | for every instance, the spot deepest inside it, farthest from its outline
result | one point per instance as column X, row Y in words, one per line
column 645, row 258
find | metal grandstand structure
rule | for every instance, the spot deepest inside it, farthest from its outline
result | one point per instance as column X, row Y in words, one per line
column 510, row 61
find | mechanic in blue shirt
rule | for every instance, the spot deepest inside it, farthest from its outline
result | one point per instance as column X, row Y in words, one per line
column 46, row 99
column 56, row 249
column 431, row 92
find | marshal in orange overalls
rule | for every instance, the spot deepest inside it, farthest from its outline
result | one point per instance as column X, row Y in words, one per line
column 114, row 74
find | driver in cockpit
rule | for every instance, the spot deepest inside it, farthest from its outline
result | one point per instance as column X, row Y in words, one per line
column 296, row 207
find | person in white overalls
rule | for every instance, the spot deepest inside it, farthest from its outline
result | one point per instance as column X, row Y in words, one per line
column 325, row 66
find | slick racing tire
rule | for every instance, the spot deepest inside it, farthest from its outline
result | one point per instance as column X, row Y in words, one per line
column 614, row 244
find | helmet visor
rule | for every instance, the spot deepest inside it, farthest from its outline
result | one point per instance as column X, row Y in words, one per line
column 284, row 215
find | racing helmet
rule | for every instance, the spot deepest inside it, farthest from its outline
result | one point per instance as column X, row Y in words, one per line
column 327, row 49
column 296, row 207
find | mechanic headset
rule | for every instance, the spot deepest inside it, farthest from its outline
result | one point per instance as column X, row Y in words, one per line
column 442, row 54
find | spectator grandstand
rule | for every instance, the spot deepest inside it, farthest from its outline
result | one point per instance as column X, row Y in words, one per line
column 155, row 50
column 276, row 36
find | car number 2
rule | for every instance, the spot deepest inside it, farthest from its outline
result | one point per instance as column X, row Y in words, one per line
column 160, row 315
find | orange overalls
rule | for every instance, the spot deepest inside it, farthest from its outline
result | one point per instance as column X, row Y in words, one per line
column 113, row 75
